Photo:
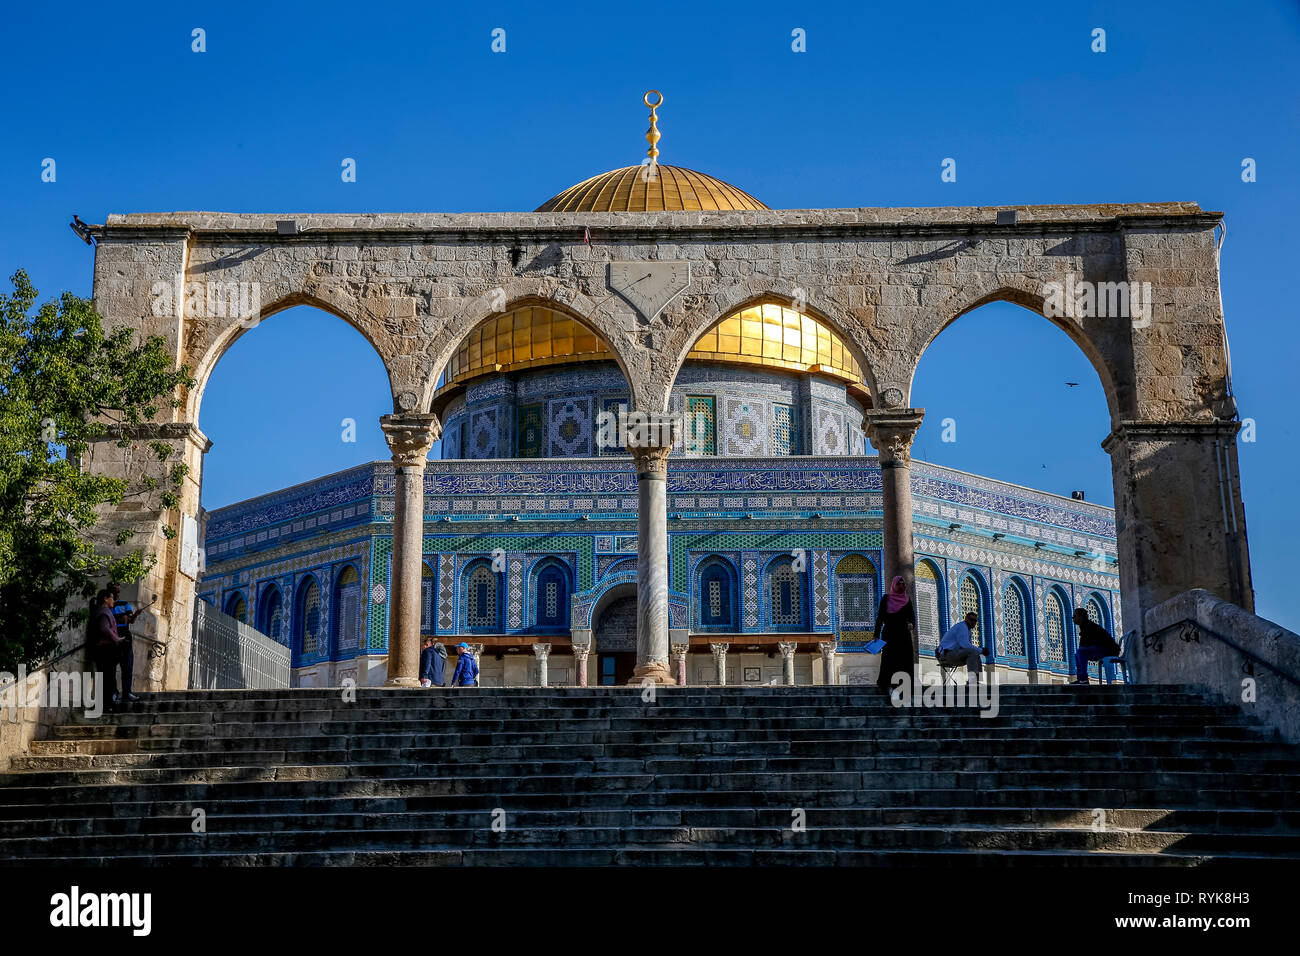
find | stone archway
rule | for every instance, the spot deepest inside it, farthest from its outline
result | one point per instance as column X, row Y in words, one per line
column 889, row 279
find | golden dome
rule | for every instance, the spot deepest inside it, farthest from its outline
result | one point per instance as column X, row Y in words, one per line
column 652, row 186
column 766, row 334
column 632, row 189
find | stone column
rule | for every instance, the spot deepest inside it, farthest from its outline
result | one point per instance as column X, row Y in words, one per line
column 828, row 661
column 720, row 659
column 1179, row 515
column 580, row 652
column 891, row 432
column 787, row 660
column 649, row 439
column 541, row 652
column 679, row 661
column 409, row 438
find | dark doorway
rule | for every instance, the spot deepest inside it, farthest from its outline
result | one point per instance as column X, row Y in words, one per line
column 615, row 639
column 615, row 669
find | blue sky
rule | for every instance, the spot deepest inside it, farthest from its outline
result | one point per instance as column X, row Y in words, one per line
column 136, row 122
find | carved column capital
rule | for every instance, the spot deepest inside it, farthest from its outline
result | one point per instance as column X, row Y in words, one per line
column 410, row 437
column 719, row 650
column 475, row 650
column 540, row 651
column 827, row 648
column 649, row 439
column 787, row 648
column 580, row 651
column 679, row 651
column 891, row 432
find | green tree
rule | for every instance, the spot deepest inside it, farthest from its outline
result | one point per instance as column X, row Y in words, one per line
column 63, row 382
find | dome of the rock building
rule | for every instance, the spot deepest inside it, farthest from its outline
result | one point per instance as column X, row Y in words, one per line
column 651, row 186
column 632, row 189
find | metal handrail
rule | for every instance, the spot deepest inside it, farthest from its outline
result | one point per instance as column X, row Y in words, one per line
column 1252, row 657
column 48, row 664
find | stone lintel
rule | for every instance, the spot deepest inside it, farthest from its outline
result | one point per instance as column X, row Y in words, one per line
column 156, row 431
column 1144, row 430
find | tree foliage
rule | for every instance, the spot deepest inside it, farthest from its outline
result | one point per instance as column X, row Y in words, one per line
column 63, row 382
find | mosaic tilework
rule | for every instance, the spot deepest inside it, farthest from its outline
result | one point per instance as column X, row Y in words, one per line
column 745, row 427
column 483, row 434
column 929, row 622
column 446, row 592
column 515, row 592
column 700, row 425
column 569, row 427
column 749, row 588
column 821, row 590
column 681, row 543
column 1013, row 622
column 829, row 432
column 613, row 404
column 530, row 431
column 614, row 564
column 783, row 431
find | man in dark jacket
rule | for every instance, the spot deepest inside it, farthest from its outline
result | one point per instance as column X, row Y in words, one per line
column 466, row 668
column 1094, row 644
column 433, row 657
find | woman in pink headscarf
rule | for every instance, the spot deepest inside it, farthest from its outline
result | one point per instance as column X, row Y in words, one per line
column 895, row 625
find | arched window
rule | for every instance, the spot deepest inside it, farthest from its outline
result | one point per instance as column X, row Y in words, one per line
column 552, row 596
column 1015, row 638
column 929, row 626
column 786, row 596
column 855, row 578
column 237, row 607
column 481, row 602
column 309, row 619
column 1053, row 629
column 1096, row 612
column 348, row 609
column 717, row 594
column 971, row 599
column 270, row 616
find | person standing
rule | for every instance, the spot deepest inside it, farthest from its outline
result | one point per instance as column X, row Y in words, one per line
column 433, row 659
column 895, row 625
column 1094, row 644
column 106, row 645
column 125, row 616
column 466, row 674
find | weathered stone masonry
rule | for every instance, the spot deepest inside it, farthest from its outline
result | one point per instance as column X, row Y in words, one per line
column 889, row 279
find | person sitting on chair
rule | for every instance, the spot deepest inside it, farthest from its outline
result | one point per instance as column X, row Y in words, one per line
column 1094, row 644
column 956, row 649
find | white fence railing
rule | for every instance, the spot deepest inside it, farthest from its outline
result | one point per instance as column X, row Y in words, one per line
column 227, row 654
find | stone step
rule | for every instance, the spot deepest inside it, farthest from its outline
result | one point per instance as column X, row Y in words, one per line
column 1180, row 782
column 422, row 795
column 441, row 762
column 522, row 736
column 597, row 776
column 553, row 857
column 267, row 818
column 1272, row 846
column 425, row 747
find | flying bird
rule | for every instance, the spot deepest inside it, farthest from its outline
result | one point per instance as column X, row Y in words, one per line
column 1071, row 384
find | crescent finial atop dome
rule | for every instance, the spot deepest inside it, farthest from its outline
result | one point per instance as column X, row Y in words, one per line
column 652, row 134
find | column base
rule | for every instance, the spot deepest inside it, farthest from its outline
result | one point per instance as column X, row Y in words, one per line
column 656, row 671
column 402, row 682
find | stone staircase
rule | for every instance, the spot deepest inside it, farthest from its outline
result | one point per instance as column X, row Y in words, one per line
column 1130, row 775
